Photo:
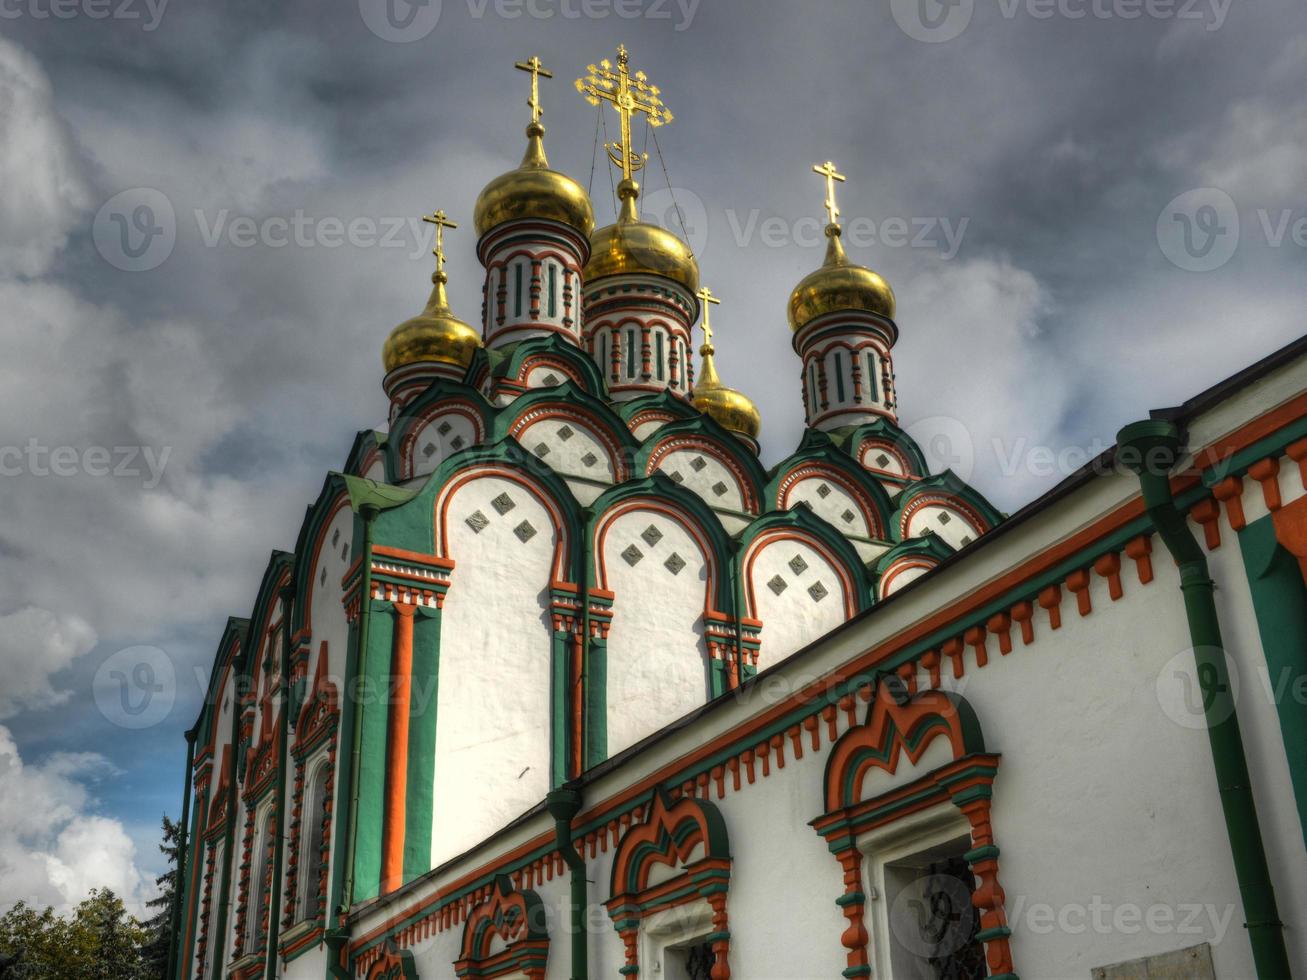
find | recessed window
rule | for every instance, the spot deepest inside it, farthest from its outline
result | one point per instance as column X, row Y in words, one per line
column 839, row 376
column 553, row 288
column 658, row 337
column 517, row 290
column 933, row 925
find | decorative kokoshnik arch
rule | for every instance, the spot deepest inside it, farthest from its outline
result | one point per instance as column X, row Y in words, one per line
column 515, row 917
column 898, row 725
column 671, row 834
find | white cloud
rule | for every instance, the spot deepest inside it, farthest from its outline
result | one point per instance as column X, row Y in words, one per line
column 53, row 847
column 39, row 169
column 972, row 351
column 36, row 644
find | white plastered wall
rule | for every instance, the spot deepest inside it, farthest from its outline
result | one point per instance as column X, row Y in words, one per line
column 656, row 655
column 493, row 713
column 798, row 595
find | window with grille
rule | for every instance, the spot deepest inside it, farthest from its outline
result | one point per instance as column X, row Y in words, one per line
column 933, row 924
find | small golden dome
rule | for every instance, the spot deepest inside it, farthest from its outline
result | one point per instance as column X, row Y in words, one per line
column 839, row 285
column 435, row 334
column 534, row 191
column 733, row 410
column 633, row 247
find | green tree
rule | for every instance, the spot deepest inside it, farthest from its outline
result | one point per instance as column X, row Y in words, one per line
column 100, row 941
column 159, row 924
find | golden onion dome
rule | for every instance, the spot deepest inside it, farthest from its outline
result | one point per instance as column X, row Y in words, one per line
column 839, row 285
column 733, row 410
column 534, row 191
column 434, row 335
column 634, row 247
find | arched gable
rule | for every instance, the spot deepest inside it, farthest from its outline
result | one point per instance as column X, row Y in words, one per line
column 661, row 495
column 571, row 432
column 908, row 561
column 800, row 579
column 708, row 460
column 445, row 419
column 513, row 919
column 326, row 531
column 367, row 457
column 801, row 526
column 647, row 414
column 540, row 362
column 894, row 728
column 935, row 503
column 903, row 459
column 834, row 488
column 229, row 657
column 506, row 460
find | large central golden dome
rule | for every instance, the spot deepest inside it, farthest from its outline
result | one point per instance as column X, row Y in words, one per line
column 534, row 191
column 839, row 285
column 634, row 247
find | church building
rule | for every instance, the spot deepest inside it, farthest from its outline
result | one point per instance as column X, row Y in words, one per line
column 561, row 680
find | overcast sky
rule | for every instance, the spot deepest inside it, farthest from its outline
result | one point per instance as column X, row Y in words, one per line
column 1088, row 208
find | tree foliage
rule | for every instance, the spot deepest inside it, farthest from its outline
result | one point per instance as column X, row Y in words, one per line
column 99, row 940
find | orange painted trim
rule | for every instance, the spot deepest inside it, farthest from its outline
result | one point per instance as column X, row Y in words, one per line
column 1223, row 447
column 1297, row 451
column 401, row 668
column 1267, row 473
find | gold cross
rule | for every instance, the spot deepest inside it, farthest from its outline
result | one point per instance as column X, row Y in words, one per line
column 630, row 95
column 441, row 221
column 828, row 171
column 536, row 68
column 709, row 301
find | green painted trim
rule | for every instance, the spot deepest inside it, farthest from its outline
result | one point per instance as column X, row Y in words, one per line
column 1280, row 603
column 375, row 692
column 596, row 708
column 419, row 800
column 1272, row 445
column 560, row 706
